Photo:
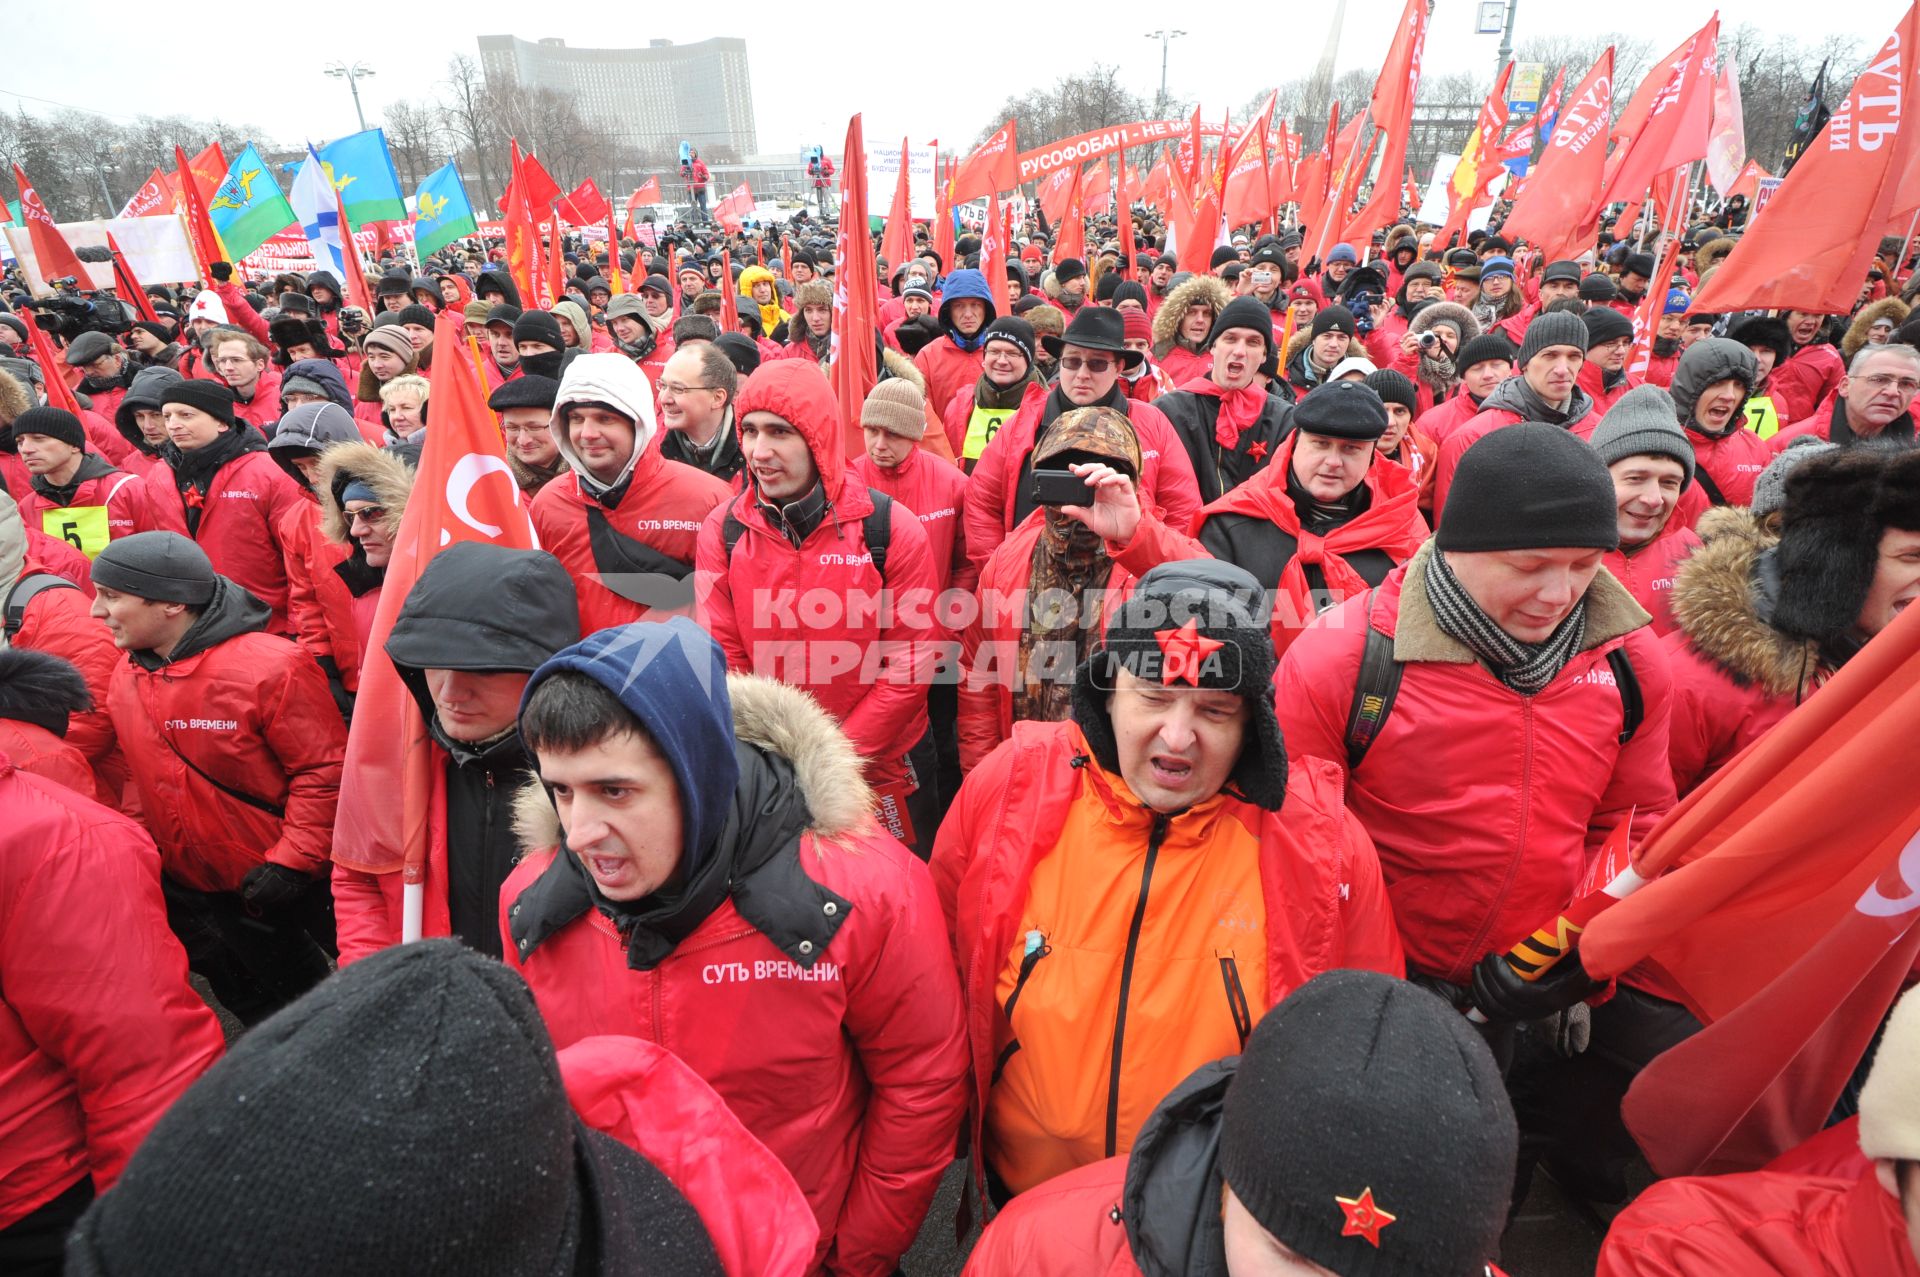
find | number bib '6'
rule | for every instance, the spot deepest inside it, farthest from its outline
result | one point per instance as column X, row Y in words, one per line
column 84, row 527
column 982, row 426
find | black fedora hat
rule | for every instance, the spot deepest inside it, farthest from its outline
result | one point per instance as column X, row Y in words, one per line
column 1095, row 328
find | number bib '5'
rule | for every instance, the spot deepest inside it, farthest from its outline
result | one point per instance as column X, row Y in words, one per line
column 84, row 527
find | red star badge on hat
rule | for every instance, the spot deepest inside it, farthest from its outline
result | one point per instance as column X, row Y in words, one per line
column 1258, row 450
column 1184, row 651
column 1364, row 1219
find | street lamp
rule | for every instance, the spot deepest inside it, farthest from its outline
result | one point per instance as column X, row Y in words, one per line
column 1165, row 38
column 353, row 74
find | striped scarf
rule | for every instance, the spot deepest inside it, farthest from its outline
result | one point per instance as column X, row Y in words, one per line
column 1525, row 667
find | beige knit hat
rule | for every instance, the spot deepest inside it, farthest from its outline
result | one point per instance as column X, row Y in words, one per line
column 896, row 405
column 1890, row 1101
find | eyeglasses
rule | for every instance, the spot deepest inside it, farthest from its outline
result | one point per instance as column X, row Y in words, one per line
column 1905, row 385
column 676, row 389
column 510, row 431
column 367, row 514
column 1075, row 363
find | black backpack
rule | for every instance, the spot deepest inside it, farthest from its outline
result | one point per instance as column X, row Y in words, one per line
column 1379, row 684
column 26, row 590
column 876, row 528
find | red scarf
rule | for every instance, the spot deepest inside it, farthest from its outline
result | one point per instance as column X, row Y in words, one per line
column 1239, row 409
column 1392, row 523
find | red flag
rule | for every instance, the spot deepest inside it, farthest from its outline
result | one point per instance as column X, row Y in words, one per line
column 733, row 211
column 1392, row 112
column 1646, row 316
column 1679, row 118
column 1126, row 216
column 1248, row 194
column 1310, row 183
column 898, row 242
column 993, row 256
column 1054, row 189
column 358, row 294
column 209, row 169
column 1559, row 212
column 128, row 285
column 542, row 191
column 154, row 199
column 1788, row 922
column 614, row 275
column 205, row 242
column 1345, row 184
column 523, row 238
column 1810, row 252
column 1156, row 187
column 464, row 491
column 1478, row 166
column 943, row 217
column 1096, row 196
column 52, row 254
column 1070, row 238
column 53, row 372
column 649, row 192
column 584, row 206
column 855, row 364
column 993, row 166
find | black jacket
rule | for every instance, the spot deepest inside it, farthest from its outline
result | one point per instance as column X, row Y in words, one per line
column 465, row 612
column 1171, row 1203
column 1218, row 470
column 724, row 462
column 1264, row 548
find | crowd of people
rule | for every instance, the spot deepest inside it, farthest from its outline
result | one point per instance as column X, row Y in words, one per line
column 1122, row 763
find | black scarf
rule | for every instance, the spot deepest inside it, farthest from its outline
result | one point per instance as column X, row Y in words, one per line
column 990, row 395
column 1319, row 517
column 193, row 471
column 91, row 467
column 797, row 519
column 1525, row 667
column 1899, row 430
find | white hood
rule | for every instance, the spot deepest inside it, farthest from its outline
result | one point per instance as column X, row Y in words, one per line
column 617, row 382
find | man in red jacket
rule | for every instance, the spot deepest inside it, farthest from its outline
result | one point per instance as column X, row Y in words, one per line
column 230, row 496
column 1511, row 748
column 1813, row 370
column 952, row 362
column 74, row 494
column 1873, row 401
column 1711, row 387
column 1859, row 1219
column 893, row 419
column 704, row 870
column 1652, row 465
column 624, row 520
column 246, row 366
column 99, row 1029
column 793, row 584
column 235, row 748
column 109, row 370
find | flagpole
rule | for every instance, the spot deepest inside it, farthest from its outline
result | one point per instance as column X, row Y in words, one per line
column 1906, row 246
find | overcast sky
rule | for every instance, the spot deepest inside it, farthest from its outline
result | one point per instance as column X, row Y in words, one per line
column 940, row 78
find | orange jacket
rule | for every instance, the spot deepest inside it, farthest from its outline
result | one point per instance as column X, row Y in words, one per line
column 1012, row 859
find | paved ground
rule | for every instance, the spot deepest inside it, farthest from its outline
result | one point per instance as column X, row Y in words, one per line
column 1549, row 1237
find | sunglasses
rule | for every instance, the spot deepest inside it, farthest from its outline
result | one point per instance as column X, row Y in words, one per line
column 1075, row 363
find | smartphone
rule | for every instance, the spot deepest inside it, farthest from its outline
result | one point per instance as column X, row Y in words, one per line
column 1060, row 487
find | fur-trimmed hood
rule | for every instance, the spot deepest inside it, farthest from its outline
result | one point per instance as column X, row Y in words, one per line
column 1856, row 337
column 390, row 478
column 898, row 365
column 1173, row 311
column 1710, row 254
column 1713, row 601
column 1298, row 343
column 1445, row 312
column 14, row 398
column 781, row 720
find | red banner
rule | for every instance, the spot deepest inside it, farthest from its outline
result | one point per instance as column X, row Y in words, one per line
column 1559, row 211
column 993, row 166
column 1392, row 113
column 855, row 365
column 155, row 199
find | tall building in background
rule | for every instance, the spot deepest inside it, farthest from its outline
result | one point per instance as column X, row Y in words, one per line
column 656, row 96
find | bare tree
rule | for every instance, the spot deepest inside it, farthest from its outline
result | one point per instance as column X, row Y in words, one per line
column 1072, row 105
column 416, row 135
column 468, row 110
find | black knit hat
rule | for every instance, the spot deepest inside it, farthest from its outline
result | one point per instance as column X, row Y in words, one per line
column 1530, row 486
column 528, row 390
column 1837, row 506
column 430, row 1063
column 1068, row 269
column 1485, row 348
column 742, row 352
column 1333, row 319
column 1013, row 330
column 42, row 689
column 1604, row 324
column 538, row 325
column 1244, row 312
column 1342, row 410
column 1552, row 329
column 1222, row 255
column 209, row 397
column 415, row 314
column 1230, row 649
column 1419, row 1179
column 54, row 423
column 1598, row 288
column 1394, row 387
column 1766, row 333
column 162, row 566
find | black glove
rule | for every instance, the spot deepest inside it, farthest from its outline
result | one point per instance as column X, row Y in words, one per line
column 268, row 887
column 1501, row 994
column 221, row 271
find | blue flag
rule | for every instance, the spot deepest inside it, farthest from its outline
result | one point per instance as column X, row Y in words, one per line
column 248, row 209
column 442, row 212
column 362, row 171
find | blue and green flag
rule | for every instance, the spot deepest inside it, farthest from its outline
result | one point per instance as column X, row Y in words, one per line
column 247, row 208
column 362, row 171
column 442, row 212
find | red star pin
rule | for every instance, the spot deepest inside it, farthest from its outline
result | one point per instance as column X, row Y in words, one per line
column 1364, row 1219
column 1257, row 450
column 1183, row 651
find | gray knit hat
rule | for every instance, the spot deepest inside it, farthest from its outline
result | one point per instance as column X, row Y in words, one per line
column 1643, row 422
column 1553, row 328
column 161, row 566
column 1770, row 489
column 896, row 406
